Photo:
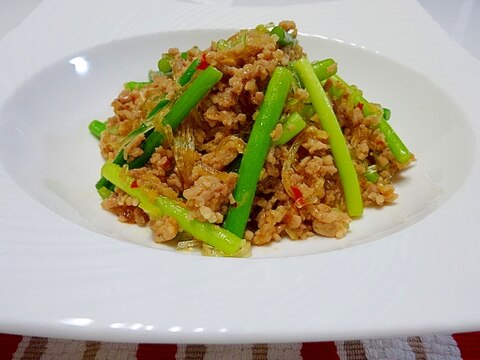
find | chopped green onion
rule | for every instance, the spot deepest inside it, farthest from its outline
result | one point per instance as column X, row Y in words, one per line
column 164, row 65
column 104, row 192
column 372, row 174
column 223, row 44
column 284, row 37
column 386, row 113
column 96, row 128
column 132, row 85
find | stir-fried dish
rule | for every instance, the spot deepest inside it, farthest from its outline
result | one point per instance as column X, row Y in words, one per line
column 244, row 143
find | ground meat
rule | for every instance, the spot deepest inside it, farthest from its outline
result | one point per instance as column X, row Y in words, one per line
column 277, row 132
column 327, row 221
column 379, row 195
column 164, row 229
column 162, row 162
column 125, row 207
column 269, row 225
column 228, row 118
column 210, row 195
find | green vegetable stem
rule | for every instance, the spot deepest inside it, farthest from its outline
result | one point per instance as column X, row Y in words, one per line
column 160, row 105
column 192, row 95
column 394, row 143
column 290, row 128
column 190, row 98
column 284, row 37
column 338, row 145
column 211, row 234
column 188, row 73
column 324, row 68
column 256, row 150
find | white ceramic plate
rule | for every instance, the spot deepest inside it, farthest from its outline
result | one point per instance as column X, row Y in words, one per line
column 63, row 97
column 71, row 270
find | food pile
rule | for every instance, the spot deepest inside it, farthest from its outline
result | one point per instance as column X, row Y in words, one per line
column 244, row 143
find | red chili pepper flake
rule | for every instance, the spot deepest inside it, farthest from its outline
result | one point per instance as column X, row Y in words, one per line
column 296, row 192
column 360, row 106
column 298, row 196
column 203, row 62
column 166, row 164
column 134, row 184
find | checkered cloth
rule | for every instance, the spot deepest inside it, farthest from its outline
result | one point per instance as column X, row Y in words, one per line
column 457, row 346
